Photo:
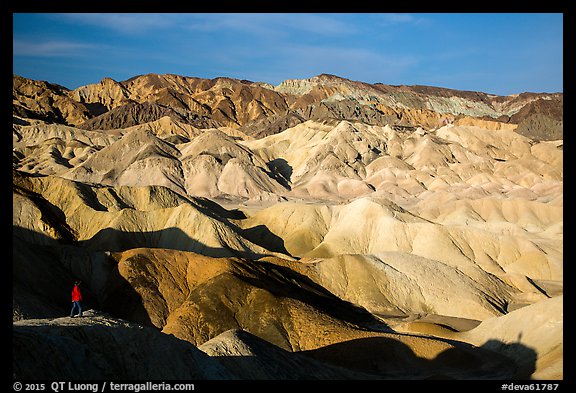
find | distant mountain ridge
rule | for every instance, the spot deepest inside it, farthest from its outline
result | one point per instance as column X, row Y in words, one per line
column 260, row 109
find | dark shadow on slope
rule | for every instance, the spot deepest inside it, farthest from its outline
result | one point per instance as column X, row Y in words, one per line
column 175, row 139
column 85, row 349
column 176, row 239
column 378, row 355
column 120, row 299
column 41, row 285
column 267, row 361
column 524, row 356
column 96, row 108
column 261, row 235
column 129, row 115
column 282, row 281
column 97, row 347
column 19, row 121
column 173, row 238
column 281, row 171
column 111, row 239
column 43, row 275
column 89, row 196
column 51, row 214
column 275, row 308
column 214, row 210
column 272, row 124
column 393, row 359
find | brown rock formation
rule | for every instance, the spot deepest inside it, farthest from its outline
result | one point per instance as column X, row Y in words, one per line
column 261, row 110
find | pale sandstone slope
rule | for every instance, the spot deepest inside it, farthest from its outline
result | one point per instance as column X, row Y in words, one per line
column 120, row 218
column 330, row 161
column 54, row 149
column 161, row 153
column 137, row 159
column 532, row 337
column 342, row 160
column 215, row 165
column 371, row 225
column 539, row 327
column 322, row 160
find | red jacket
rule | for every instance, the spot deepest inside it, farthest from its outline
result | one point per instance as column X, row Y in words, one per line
column 76, row 295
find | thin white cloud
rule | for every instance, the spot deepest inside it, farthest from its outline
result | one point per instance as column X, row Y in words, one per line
column 49, row 48
column 401, row 19
column 270, row 24
column 319, row 24
column 327, row 24
column 256, row 23
column 122, row 23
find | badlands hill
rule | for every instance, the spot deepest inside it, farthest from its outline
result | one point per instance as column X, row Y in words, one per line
column 319, row 229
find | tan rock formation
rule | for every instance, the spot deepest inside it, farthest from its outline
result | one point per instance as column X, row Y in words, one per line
column 531, row 335
column 320, row 228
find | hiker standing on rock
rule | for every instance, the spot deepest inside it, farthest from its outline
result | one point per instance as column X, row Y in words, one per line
column 76, row 300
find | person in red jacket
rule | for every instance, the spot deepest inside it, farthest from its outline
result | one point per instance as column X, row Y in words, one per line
column 76, row 300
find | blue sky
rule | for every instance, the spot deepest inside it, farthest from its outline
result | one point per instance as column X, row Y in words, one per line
column 496, row 53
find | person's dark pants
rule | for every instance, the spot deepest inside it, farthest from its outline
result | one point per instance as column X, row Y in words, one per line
column 74, row 306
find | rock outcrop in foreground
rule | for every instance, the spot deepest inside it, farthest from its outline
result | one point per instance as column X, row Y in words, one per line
column 320, row 229
column 97, row 347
